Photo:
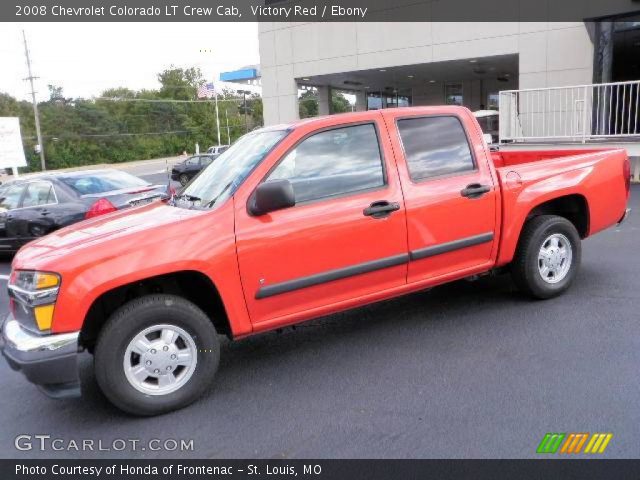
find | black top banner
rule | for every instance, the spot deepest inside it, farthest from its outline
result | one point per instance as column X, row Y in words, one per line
column 314, row 10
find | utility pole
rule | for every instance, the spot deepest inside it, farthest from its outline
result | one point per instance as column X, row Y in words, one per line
column 35, row 103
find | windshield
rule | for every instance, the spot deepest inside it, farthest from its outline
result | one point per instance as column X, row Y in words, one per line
column 220, row 180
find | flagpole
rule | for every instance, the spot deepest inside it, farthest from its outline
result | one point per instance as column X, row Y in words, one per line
column 217, row 118
column 228, row 133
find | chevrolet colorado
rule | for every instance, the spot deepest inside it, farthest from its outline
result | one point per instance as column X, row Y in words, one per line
column 294, row 222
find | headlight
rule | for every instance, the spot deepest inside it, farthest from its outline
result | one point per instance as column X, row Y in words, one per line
column 33, row 296
column 32, row 281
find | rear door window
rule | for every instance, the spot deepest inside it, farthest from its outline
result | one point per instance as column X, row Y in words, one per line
column 435, row 146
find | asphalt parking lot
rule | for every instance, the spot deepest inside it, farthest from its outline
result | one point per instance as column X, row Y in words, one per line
column 468, row 370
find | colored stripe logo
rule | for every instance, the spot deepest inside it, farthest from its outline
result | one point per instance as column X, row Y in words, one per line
column 573, row 443
column 550, row 443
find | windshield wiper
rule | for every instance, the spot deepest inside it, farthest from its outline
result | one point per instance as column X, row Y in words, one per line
column 190, row 198
column 212, row 202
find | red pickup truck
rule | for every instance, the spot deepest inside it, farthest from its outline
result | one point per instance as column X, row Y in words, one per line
column 294, row 222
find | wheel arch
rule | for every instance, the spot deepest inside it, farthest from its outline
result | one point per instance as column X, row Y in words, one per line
column 571, row 205
column 192, row 285
column 574, row 207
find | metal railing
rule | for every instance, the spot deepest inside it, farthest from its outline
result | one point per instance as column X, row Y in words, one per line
column 574, row 113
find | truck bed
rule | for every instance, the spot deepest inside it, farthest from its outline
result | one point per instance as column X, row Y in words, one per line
column 510, row 158
column 529, row 178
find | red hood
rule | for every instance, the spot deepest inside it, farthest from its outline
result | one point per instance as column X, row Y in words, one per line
column 95, row 233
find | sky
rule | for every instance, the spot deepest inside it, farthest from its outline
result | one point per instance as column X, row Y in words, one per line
column 86, row 58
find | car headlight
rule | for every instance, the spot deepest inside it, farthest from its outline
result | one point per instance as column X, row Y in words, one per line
column 33, row 295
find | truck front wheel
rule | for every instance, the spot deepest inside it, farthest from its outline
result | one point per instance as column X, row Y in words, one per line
column 155, row 354
column 547, row 257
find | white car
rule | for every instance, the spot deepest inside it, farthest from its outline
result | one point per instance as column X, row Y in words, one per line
column 217, row 150
column 488, row 120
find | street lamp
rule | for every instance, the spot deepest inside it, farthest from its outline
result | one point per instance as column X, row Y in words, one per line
column 244, row 101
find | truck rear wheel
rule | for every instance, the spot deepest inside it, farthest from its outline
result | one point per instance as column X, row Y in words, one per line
column 547, row 257
column 155, row 354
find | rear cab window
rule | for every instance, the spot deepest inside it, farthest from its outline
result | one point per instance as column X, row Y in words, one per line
column 435, row 146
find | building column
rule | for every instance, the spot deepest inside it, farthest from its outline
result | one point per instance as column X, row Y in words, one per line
column 361, row 101
column 324, row 100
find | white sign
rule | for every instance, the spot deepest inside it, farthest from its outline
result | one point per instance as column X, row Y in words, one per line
column 11, row 150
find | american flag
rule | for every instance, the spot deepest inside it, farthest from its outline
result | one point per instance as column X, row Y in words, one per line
column 206, row 90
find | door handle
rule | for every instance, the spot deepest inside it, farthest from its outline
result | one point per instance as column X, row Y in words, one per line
column 475, row 190
column 45, row 212
column 381, row 209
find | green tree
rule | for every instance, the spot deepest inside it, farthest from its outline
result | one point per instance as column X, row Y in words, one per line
column 55, row 93
column 256, row 110
column 308, row 104
column 124, row 124
column 180, row 83
column 339, row 103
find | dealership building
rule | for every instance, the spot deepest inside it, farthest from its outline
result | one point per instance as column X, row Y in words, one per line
column 570, row 81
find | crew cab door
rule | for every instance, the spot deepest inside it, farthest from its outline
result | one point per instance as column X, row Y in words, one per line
column 331, row 247
column 450, row 195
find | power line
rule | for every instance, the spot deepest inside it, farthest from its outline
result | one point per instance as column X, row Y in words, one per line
column 100, row 135
column 167, row 100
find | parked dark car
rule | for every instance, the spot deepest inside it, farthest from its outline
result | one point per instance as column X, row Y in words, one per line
column 184, row 171
column 34, row 206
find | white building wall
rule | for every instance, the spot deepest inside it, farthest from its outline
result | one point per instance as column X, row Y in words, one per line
column 550, row 54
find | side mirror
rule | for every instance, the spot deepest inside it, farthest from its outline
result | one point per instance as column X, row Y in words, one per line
column 271, row 196
column 488, row 138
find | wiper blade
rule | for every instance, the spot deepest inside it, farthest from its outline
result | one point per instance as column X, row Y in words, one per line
column 214, row 200
column 190, row 198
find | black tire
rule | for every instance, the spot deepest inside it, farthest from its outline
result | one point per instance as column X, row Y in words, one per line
column 183, row 179
column 524, row 268
column 131, row 319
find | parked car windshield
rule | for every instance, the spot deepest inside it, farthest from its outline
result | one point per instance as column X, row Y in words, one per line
column 92, row 183
column 220, row 180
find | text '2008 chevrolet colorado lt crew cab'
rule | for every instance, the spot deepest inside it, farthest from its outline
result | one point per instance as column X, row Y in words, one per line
column 294, row 222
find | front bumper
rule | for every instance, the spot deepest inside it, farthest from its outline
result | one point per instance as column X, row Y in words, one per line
column 49, row 361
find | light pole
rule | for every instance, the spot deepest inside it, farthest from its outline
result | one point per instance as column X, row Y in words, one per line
column 244, row 102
